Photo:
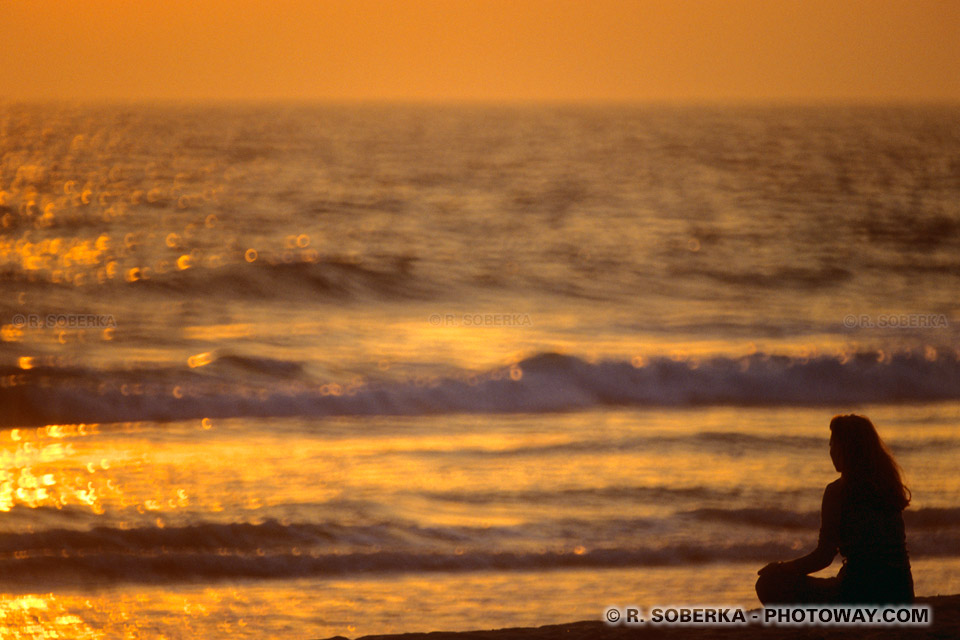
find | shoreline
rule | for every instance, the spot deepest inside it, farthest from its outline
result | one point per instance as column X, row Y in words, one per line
column 945, row 614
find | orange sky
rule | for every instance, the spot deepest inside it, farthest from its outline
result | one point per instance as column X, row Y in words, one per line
column 481, row 49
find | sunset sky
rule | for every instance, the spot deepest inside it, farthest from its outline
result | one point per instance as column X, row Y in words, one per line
column 481, row 49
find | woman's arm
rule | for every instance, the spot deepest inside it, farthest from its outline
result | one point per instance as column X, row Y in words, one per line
column 827, row 546
column 819, row 558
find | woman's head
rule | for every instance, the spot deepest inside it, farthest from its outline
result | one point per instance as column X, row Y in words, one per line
column 860, row 456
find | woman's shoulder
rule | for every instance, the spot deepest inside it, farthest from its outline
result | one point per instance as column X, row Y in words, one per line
column 834, row 492
column 835, row 487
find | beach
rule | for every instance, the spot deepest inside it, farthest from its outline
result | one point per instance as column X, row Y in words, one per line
column 307, row 370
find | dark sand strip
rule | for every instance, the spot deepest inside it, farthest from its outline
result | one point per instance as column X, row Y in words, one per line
column 946, row 624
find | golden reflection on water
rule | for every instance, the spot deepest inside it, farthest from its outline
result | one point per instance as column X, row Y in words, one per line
column 382, row 604
column 55, row 466
column 144, row 474
column 129, row 470
column 39, row 617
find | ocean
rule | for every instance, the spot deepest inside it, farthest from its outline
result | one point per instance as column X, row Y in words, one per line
column 294, row 371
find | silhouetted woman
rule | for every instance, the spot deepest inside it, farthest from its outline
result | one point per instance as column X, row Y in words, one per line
column 862, row 518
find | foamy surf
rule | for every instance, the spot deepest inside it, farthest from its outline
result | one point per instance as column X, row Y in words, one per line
column 539, row 384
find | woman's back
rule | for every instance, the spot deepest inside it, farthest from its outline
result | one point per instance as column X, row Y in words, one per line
column 869, row 526
column 870, row 536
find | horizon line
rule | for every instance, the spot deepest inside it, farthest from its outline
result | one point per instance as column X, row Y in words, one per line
column 779, row 101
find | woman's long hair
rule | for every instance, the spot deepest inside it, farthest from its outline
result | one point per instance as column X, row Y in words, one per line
column 866, row 461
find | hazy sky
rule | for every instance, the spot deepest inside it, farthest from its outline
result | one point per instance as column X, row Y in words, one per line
column 481, row 49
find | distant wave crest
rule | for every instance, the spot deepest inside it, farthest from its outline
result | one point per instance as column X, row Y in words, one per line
column 547, row 382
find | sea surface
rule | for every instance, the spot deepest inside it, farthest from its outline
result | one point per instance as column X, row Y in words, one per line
column 293, row 371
